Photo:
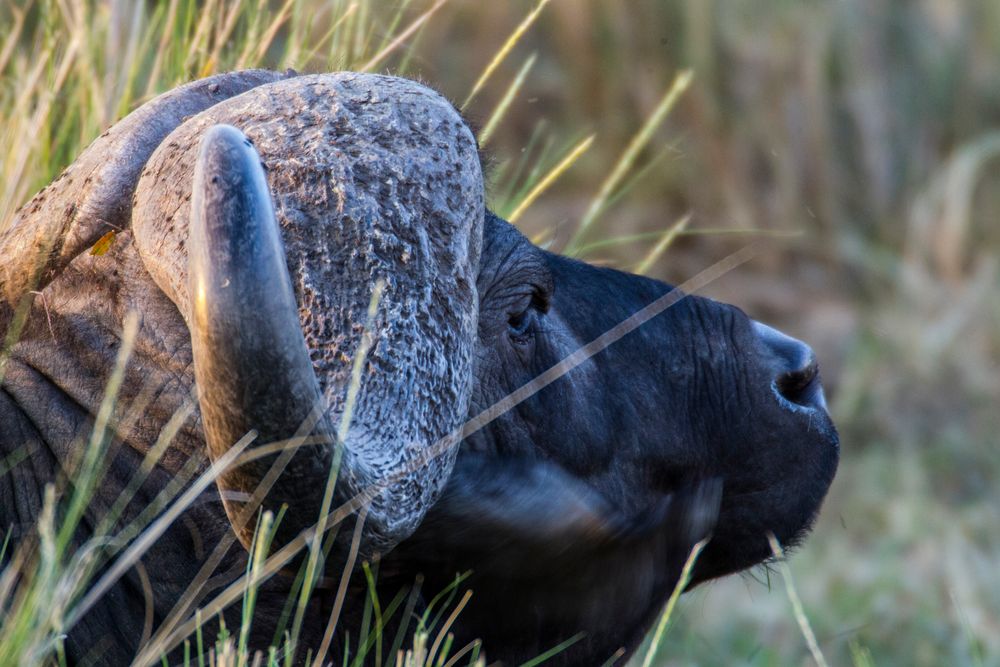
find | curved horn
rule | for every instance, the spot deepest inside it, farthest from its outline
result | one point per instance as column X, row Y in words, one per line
column 372, row 178
column 94, row 194
column 251, row 362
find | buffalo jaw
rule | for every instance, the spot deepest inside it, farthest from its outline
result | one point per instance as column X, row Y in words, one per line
column 251, row 364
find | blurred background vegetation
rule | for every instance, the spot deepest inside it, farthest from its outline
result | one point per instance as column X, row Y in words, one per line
column 858, row 139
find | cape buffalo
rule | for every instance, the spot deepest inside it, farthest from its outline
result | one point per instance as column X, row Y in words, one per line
column 270, row 229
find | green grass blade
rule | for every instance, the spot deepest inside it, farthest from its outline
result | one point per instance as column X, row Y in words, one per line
column 555, row 650
column 506, row 100
column 668, row 611
column 627, row 159
column 504, row 51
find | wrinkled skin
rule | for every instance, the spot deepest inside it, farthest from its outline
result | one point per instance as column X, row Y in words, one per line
column 574, row 510
column 674, row 412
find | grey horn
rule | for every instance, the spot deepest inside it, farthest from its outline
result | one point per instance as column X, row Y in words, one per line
column 251, row 362
column 373, row 180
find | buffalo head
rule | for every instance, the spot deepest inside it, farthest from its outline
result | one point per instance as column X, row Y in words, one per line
column 697, row 392
column 271, row 208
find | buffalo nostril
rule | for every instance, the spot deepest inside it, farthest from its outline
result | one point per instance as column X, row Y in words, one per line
column 801, row 386
column 795, row 373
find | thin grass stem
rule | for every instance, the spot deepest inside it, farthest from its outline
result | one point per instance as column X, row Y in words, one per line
column 402, row 37
column 501, row 109
column 504, row 51
column 551, row 177
column 793, row 597
column 628, row 157
column 661, row 246
column 668, row 611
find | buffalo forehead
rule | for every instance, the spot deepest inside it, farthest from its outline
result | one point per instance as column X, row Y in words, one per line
column 372, row 177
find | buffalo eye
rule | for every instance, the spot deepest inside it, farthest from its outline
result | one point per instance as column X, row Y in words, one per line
column 521, row 326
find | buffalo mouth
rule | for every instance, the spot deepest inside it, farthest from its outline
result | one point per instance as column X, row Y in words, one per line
column 775, row 485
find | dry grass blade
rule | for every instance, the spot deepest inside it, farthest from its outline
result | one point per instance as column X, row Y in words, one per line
column 345, row 577
column 942, row 221
column 661, row 246
column 272, row 30
column 505, row 102
column 155, row 530
column 453, row 660
column 443, row 632
column 165, row 36
column 704, row 231
column 668, row 611
column 401, row 38
column 504, row 51
column 627, row 159
column 551, row 177
column 793, row 597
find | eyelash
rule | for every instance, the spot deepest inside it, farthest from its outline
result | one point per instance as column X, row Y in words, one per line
column 520, row 325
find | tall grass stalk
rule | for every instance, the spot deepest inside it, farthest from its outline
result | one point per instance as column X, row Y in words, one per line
column 793, row 597
column 661, row 246
column 668, row 610
column 508, row 97
column 400, row 39
column 627, row 160
column 571, row 157
column 504, row 51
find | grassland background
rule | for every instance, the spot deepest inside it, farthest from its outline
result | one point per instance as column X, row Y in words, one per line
column 859, row 138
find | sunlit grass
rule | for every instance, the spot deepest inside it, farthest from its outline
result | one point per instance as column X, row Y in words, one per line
column 781, row 140
column 66, row 89
column 60, row 93
column 627, row 161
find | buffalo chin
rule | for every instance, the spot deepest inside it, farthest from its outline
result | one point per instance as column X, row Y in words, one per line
column 788, row 510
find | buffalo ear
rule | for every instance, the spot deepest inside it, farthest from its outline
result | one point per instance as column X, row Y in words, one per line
column 93, row 196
